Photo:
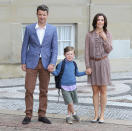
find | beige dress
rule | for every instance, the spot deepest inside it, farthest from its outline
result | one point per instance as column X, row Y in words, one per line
column 96, row 47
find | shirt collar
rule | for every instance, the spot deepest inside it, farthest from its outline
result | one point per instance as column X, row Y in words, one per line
column 37, row 27
column 67, row 61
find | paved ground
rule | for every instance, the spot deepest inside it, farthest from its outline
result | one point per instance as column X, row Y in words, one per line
column 118, row 115
column 13, row 123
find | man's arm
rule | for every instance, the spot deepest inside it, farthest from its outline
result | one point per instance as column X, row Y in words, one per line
column 54, row 48
column 54, row 51
column 24, row 50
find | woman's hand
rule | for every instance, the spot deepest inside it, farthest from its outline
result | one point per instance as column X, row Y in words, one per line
column 103, row 35
column 88, row 71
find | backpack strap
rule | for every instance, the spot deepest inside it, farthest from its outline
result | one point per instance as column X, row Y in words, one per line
column 75, row 64
column 62, row 69
column 58, row 95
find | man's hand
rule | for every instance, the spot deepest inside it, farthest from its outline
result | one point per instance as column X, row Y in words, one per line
column 23, row 66
column 50, row 67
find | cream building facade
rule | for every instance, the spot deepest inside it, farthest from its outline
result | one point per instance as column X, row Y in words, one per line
column 73, row 20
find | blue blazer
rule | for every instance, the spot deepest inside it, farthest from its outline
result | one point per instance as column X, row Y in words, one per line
column 31, row 48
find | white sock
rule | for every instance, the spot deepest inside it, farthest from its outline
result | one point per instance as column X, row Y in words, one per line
column 74, row 113
column 68, row 116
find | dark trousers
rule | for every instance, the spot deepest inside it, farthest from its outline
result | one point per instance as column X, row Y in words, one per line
column 30, row 82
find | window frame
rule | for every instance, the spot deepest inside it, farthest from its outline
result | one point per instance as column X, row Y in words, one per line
column 72, row 41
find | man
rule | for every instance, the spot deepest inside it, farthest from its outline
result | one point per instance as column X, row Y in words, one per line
column 38, row 57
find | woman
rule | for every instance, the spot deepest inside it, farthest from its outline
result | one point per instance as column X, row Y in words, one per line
column 98, row 45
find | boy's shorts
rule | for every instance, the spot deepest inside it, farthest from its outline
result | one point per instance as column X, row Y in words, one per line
column 70, row 96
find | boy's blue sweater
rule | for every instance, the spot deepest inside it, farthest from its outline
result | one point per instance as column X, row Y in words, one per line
column 69, row 75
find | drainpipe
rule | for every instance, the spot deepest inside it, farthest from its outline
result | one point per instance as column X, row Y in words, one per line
column 89, row 14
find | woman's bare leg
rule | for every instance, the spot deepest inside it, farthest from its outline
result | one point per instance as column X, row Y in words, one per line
column 103, row 99
column 96, row 101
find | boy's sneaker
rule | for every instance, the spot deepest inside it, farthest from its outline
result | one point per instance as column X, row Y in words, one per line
column 68, row 120
column 76, row 117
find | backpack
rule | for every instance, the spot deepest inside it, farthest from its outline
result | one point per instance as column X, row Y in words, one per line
column 58, row 78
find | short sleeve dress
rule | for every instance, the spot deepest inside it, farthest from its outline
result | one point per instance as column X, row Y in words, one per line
column 96, row 47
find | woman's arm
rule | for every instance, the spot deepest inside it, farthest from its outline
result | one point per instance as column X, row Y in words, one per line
column 87, row 57
column 108, row 43
column 87, row 51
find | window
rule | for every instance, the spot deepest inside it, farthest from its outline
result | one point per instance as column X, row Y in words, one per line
column 121, row 49
column 66, row 36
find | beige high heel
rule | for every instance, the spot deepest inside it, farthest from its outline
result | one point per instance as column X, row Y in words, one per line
column 95, row 121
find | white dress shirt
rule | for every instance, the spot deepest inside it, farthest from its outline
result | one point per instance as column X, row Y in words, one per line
column 40, row 33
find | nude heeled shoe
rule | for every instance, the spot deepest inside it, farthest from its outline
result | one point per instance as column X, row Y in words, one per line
column 95, row 121
column 101, row 121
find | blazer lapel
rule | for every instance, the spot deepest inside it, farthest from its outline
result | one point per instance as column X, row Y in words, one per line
column 35, row 34
column 45, row 35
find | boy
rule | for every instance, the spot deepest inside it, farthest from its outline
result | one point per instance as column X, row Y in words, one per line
column 68, row 82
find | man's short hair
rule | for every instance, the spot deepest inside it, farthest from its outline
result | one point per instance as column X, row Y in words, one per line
column 43, row 8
